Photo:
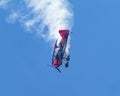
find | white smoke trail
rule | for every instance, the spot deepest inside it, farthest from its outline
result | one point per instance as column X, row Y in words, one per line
column 54, row 14
column 45, row 17
column 3, row 3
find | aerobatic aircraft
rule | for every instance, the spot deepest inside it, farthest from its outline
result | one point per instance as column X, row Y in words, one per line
column 59, row 56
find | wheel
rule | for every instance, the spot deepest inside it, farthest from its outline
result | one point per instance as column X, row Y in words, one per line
column 67, row 64
column 68, row 58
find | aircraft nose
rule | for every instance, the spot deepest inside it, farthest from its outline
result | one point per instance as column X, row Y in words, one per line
column 55, row 66
column 55, row 63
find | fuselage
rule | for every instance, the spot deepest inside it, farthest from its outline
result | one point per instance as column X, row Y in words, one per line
column 58, row 58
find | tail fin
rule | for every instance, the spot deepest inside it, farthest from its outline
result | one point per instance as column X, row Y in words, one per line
column 63, row 32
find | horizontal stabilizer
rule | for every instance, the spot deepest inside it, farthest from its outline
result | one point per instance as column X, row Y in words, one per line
column 63, row 32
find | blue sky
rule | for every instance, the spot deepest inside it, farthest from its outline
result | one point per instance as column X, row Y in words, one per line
column 95, row 55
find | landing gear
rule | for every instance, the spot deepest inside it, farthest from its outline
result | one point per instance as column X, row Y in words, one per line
column 67, row 64
column 68, row 58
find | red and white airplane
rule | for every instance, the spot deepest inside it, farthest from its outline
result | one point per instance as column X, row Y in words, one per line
column 59, row 57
